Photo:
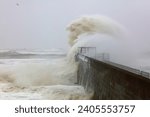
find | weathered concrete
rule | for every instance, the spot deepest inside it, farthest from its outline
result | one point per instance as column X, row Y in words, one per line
column 110, row 82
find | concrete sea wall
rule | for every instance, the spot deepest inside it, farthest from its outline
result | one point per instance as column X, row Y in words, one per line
column 109, row 81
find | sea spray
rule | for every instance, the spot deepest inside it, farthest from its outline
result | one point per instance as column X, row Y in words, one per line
column 94, row 24
column 57, row 72
column 63, row 71
column 57, row 79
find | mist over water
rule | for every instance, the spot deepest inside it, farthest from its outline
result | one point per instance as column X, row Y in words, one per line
column 108, row 37
column 52, row 74
column 103, row 33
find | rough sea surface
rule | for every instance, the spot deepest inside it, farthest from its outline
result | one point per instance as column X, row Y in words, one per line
column 38, row 74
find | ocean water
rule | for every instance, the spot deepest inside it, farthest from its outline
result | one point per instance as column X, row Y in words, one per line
column 38, row 74
column 52, row 74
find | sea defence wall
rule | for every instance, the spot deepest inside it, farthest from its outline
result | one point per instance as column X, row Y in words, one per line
column 112, row 81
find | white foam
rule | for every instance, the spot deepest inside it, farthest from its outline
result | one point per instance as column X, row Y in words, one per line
column 93, row 24
column 56, row 79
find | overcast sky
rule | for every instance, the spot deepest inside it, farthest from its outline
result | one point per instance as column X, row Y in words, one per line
column 41, row 23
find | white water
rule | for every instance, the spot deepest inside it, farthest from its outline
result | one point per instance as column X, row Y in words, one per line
column 49, row 78
column 108, row 37
column 32, row 74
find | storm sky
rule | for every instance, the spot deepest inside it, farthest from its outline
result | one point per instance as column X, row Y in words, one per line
column 41, row 23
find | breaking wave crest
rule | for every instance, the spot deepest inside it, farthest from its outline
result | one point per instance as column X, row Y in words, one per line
column 89, row 25
column 57, row 78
